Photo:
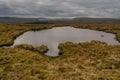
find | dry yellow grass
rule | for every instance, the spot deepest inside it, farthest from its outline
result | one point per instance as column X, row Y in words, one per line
column 82, row 61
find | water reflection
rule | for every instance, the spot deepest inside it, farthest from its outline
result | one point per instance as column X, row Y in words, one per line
column 52, row 37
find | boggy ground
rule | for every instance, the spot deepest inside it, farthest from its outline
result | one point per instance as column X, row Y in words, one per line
column 83, row 61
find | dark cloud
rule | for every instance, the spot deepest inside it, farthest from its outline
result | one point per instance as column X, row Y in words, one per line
column 60, row 8
column 4, row 9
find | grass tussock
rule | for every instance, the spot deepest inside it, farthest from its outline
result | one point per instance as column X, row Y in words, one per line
column 78, row 61
column 42, row 49
column 82, row 61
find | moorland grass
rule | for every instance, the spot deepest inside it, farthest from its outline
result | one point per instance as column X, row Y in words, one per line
column 79, row 61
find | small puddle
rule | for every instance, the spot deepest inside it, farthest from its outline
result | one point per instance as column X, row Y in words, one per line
column 53, row 37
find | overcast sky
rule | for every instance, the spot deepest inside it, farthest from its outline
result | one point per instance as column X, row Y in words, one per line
column 60, row 8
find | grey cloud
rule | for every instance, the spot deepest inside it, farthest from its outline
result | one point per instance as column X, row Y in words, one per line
column 4, row 9
column 60, row 8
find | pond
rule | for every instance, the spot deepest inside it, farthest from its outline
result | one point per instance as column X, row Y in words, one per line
column 53, row 37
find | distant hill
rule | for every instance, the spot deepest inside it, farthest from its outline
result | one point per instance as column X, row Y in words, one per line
column 43, row 20
column 79, row 20
column 87, row 18
column 96, row 20
column 17, row 20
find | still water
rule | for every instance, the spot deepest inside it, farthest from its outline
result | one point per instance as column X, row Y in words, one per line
column 53, row 37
